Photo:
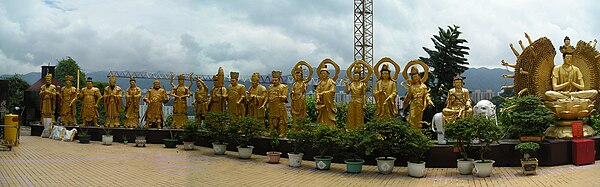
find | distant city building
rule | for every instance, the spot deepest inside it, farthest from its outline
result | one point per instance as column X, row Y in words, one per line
column 478, row 95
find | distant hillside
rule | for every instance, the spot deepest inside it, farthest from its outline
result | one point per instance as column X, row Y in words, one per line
column 486, row 79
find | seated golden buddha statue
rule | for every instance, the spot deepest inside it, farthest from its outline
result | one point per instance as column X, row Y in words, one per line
column 568, row 98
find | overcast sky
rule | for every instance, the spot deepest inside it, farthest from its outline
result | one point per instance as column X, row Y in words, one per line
column 262, row 35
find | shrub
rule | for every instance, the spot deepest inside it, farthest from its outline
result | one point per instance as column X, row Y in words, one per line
column 218, row 127
column 324, row 138
column 246, row 128
column 528, row 116
column 463, row 131
column 299, row 135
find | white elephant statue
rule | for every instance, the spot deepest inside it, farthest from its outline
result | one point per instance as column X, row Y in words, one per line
column 484, row 107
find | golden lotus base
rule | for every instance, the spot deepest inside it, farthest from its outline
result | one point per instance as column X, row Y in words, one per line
column 566, row 131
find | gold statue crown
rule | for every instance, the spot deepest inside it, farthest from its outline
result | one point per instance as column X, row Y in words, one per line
column 298, row 70
column 414, row 70
column 567, row 49
column 458, row 77
column 324, row 68
column 385, row 68
column 112, row 77
column 132, row 78
column 234, row 74
column 181, row 77
column 69, row 78
column 89, row 79
column 276, row 74
column 357, row 68
column 215, row 78
column 255, row 76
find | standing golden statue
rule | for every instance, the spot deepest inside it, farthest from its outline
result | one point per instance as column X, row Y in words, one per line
column 48, row 98
column 275, row 101
column 325, row 93
column 358, row 89
column 569, row 90
column 218, row 94
column 236, row 96
column 386, row 89
column 298, row 104
column 90, row 96
column 68, row 97
column 418, row 93
column 155, row 97
column 458, row 103
column 132, row 104
column 180, row 93
column 256, row 97
column 112, row 102
column 200, row 100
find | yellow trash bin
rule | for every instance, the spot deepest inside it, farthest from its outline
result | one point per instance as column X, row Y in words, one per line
column 11, row 130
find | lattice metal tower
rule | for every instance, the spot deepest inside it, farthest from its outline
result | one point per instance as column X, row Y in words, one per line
column 363, row 31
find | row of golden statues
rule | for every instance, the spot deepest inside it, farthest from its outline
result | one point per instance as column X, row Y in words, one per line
column 254, row 101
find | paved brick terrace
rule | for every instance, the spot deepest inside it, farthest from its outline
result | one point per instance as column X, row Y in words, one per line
column 44, row 162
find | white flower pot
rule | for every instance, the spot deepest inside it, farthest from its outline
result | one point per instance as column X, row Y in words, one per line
column 385, row 166
column 465, row 167
column 416, row 169
column 188, row 145
column 484, row 169
column 245, row 152
column 107, row 139
column 295, row 159
column 219, row 148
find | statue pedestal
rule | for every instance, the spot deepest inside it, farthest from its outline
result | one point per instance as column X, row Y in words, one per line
column 563, row 129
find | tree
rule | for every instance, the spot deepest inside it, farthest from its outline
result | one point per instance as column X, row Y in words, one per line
column 69, row 67
column 16, row 92
column 446, row 61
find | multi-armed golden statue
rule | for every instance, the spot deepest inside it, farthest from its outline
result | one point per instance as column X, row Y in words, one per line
column 569, row 90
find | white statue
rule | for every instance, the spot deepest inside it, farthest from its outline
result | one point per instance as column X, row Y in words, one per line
column 483, row 107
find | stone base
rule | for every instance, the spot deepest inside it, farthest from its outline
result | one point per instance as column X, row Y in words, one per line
column 566, row 132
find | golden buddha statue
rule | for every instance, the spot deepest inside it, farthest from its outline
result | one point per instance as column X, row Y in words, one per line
column 180, row 93
column 298, row 104
column 458, row 103
column 256, row 97
column 155, row 97
column 275, row 101
column 48, row 98
column 200, row 100
column 218, row 94
column 386, row 89
column 325, row 93
column 90, row 96
column 68, row 96
column 112, row 102
column 236, row 96
column 358, row 89
column 569, row 90
column 418, row 93
column 132, row 104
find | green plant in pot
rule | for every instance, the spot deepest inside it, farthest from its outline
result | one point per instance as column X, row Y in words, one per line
column 190, row 132
column 247, row 128
column 352, row 146
column 323, row 138
column 274, row 155
column 528, row 164
column 84, row 136
column 462, row 131
column 487, row 132
column 416, row 146
column 526, row 110
column 170, row 142
column 219, row 129
column 107, row 138
column 385, row 142
column 299, row 137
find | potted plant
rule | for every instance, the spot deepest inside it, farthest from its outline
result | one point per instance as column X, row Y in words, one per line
column 247, row 128
column 385, row 142
column 463, row 132
column 352, row 145
column 529, row 164
column 323, row 138
column 125, row 140
column 299, row 137
column 274, row 155
column 170, row 142
column 526, row 110
column 218, row 130
column 190, row 132
column 416, row 145
column 487, row 132
column 84, row 137
column 107, row 138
